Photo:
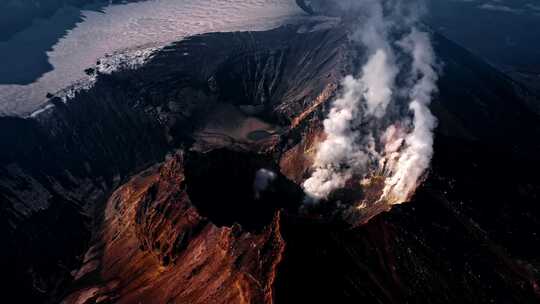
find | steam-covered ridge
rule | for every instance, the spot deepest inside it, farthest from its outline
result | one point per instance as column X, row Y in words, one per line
column 381, row 125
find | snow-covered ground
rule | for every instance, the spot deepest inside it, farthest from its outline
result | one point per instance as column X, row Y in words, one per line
column 148, row 24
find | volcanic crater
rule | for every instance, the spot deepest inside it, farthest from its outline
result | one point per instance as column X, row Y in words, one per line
column 142, row 194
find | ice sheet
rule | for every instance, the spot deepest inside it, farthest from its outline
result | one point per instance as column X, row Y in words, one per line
column 129, row 26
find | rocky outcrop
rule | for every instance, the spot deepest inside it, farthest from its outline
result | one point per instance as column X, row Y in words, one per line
column 155, row 247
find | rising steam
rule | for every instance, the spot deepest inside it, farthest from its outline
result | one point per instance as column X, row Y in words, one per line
column 416, row 154
column 381, row 123
column 263, row 179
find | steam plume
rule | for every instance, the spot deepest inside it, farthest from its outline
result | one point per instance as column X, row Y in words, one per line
column 377, row 126
column 263, row 179
column 415, row 157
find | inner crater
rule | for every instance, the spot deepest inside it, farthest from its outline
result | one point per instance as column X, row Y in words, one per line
column 231, row 187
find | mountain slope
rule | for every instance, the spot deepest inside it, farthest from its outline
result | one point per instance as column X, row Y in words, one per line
column 239, row 102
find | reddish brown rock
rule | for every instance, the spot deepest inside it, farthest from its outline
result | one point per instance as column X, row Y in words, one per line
column 156, row 248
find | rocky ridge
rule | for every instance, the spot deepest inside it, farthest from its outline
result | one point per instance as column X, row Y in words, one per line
column 192, row 229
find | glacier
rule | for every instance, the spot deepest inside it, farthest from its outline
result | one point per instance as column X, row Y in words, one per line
column 124, row 28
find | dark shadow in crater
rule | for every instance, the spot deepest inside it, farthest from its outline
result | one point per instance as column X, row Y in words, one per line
column 220, row 184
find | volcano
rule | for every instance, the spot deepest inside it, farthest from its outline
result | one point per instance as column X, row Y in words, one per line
column 141, row 189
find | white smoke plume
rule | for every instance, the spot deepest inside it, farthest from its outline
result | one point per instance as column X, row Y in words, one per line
column 367, row 131
column 341, row 153
column 416, row 155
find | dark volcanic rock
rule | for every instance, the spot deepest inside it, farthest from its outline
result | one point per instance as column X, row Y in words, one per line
column 16, row 15
column 181, row 231
column 470, row 233
column 57, row 168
